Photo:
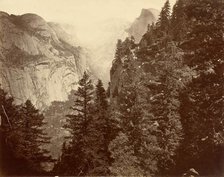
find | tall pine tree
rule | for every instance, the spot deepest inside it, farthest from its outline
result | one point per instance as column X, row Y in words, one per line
column 9, row 163
column 202, row 101
column 103, row 132
column 179, row 22
column 86, row 152
column 135, row 148
column 34, row 137
column 164, row 19
column 22, row 138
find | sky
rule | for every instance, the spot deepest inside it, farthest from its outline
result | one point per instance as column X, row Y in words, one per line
column 80, row 12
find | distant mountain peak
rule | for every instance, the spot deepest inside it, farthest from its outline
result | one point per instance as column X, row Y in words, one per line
column 145, row 13
column 139, row 26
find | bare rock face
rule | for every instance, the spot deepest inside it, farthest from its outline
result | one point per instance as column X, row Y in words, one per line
column 38, row 60
column 139, row 26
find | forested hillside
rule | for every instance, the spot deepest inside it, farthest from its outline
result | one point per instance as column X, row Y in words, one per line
column 167, row 93
column 162, row 114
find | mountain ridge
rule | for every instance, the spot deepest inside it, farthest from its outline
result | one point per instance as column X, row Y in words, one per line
column 37, row 61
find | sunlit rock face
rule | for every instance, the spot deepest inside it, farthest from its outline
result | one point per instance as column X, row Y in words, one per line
column 139, row 26
column 38, row 60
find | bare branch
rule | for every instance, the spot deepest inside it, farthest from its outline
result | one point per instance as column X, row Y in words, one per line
column 6, row 117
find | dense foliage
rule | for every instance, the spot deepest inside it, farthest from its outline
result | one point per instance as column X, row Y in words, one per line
column 22, row 138
column 86, row 151
column 182, row 60
column 164, row 116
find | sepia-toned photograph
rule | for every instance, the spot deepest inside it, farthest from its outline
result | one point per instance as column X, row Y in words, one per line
column 112, row 88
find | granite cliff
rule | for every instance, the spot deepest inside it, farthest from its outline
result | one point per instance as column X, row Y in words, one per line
column 38, row 60
column 139, row 26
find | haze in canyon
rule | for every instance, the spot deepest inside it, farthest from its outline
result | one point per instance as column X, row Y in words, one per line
column 95, row 25
column 45, row 46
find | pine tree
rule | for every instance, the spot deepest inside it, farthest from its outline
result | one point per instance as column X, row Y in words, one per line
column 90, row 128
column 61, row 167
column 22, row 133
column 125, row 161
column 170, row 78
column 80, row 152
column 124, row 48
column 101, row 126
column 202, row 100
column 127, row 45
column 184, row 99
column 178, row 21
column 33, row 136
column 122, row 150
column 82, row 107
column 149, row 37
column 165, row 112
column 118, row 56
column 101, row 97
column 136, row 145
column 118, row 52
column 164, row 19
column 9, row 163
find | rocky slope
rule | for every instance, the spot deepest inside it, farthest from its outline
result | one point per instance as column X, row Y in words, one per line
column 131, row 72
column 38, row 60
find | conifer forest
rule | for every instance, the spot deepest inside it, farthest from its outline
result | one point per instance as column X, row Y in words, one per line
column 160, row 114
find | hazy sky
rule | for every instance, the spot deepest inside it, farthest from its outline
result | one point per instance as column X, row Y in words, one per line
column 80, row 12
